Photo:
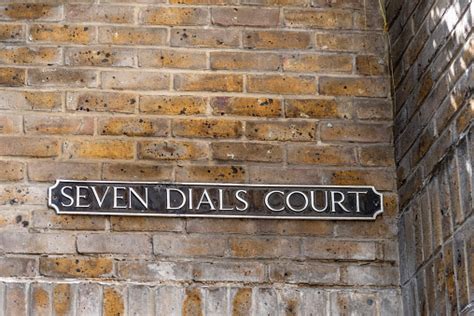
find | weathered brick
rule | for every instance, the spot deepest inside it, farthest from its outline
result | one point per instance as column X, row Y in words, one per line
column 202, row 2
column 34, row 100
column 281, row 130
column 12, row 77
column 15, row 298
column 259, row 227
column 51, row 170
column 99, row 13
column 100, row 56
column 40, row 298
column 229, row 271
column 17, row 267
column 12, row 32
column 154, row 271
column 114, row 243
column 136, row 171
column 242, row 301
column 188, row 245
column 30, row 11
column 377, row 156
column 381, row 179
column 172, row 58
column 339, row 249
column 276, row 40
column 10, row 124
column 50, row 220
column 371, row 275
column 172, row 105
column 378, row 229
column 265, row 301
column 317, row 108
column 216, row 301
column 347, row 42
column 321, row 19
column 241, row 106
column 129, row 35
column 75, row 267
column 58, row 125
column 37, row 243
column 135, row 80
column 173, row 16
column 363, row 302
column 20, row 194
column 356, row 132
column 243, row 16
column 172, row 150
column 216, row 128
column 15, row 219
column 108, row 149
column 373, row 109
column 101, row 102
column 133, row 223
column 76, row 34
column 245, row 61
column 27, row 146
column 170, row 299
column 370, row 65
column 88, row 299
column 133, row 126
column 317, row 63
column 11, row 170
column 30, row 55
column 264, row 247
column 361, row 87
column 275, row 2
column 285, row 175
column 320, row 273
column 349, row 4
column 208, row 82
column 62, row 77
column 113, row 301
column 219, row 173
column 321, row 155
column 140, row 300
column 281, row 84
column 243, row 151
column 212, row 38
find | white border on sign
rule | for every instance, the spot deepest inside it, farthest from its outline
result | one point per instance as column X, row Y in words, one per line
column 258, row 185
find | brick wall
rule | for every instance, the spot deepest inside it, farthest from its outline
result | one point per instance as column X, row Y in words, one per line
column 432, row 54
column 252, row 91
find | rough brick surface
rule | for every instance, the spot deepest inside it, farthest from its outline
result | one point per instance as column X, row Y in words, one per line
column 239, row 91
column 432, row 59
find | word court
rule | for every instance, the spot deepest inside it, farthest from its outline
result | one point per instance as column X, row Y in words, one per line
column 215, row 200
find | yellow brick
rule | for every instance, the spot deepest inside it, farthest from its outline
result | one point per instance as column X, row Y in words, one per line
column 276, row 40
column 172, row 105
column 30, row 55
column 12, row 77
column 217, row 128
column 281, row 84
column 172, row 150
column 106, row 149
column 170, row 58
column 173, row 16
column 208, row 82
column 126, row 35
column 133, row 126
column 62, row 33
column 317, row 108
column 241, row 106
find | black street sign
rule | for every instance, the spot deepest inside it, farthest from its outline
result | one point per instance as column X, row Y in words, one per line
column 215, row 200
